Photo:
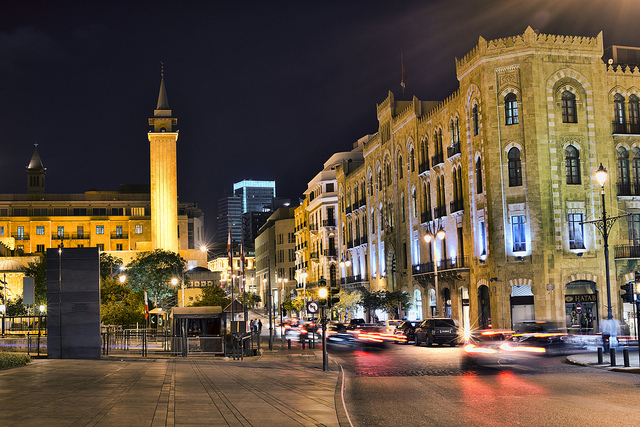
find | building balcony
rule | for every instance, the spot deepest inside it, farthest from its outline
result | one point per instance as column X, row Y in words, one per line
column 313, row 228
column 437, row 159
column 21, row 236
column 626, row 128
column 440, row 211
column 355, row 279
column 60, row 237
column 426, row 216
column 423, row 167
column 628, row 188
column 453, row 149
column 360, row 241
column 348, row 209
column 626, row 251
column 349, row 244
column 362, row 202
column 119, row 236
column 81, row 236
column 314, row 255
column 443, row 265
column 330, row 253
column 329, row 223
column 456, row 205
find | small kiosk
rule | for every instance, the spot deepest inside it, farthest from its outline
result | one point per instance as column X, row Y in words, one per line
column 198, row 330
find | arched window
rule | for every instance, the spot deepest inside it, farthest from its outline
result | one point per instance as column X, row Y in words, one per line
column 400, row 168
column 634, row 114
column 572, row 164
column 425, row 155
column 624, row 181
column 402, row 211
column 379, row 180
column 414, row 203
column 452, row 132
column 511, row 109
column 476, row 123
column 442, row 201
column 618, row 105
column 412, row 160
column 454, row 178
column 515, row 170
column 569, row 107
column 387, row 169
column 457, row 130
column 479, row 176
column 636, row 169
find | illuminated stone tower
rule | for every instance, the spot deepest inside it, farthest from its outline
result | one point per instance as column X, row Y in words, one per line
column 164, row 177
column 35, row 174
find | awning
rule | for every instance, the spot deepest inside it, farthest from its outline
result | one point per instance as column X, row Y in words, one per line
column 196, row 312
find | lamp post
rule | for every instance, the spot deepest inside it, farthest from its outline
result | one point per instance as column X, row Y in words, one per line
column 304, row 292
column 283, row 281
column 604, row 226
column 431, row 238
column 343, row 266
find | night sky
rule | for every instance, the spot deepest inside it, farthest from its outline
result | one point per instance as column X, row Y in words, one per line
column 261, row 89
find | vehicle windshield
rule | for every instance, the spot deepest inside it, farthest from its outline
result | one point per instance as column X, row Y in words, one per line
column 444, row 323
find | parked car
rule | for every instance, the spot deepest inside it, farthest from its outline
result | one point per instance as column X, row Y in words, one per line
column 438, row 330
column 407, row 329
column 390, row 325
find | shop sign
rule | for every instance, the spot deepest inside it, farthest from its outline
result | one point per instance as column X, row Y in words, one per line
column 569, row 299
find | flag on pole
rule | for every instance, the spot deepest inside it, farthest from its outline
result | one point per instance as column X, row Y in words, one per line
column 403, row 82
column 229, row 250
column 146, row 305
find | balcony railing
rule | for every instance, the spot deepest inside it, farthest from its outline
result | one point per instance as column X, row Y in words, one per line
column 21, row 236
column 60, row 237
column 627, row 251
column 119, row 236
column 626, row 128
column 437, row 159
column 443, row 265
column 329, row 223
column 440, row 211
column 453, row 149
column 423, row 167
column 313, row 228
column 456, row 205
column 80, row 236
column 348, row 209
column 426, row 216
column 628, row 189
column 313, row 255
column 363, row 202
column 330, row 253
column 355, row 279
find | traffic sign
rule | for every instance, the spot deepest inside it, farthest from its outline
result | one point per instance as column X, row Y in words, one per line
column 579, row 308
column 312, row 307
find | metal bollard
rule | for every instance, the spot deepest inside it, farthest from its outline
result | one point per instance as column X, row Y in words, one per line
column 303, row 343
column 289, row 344
column 625, row 357
column 612, row 355
column 600, row 361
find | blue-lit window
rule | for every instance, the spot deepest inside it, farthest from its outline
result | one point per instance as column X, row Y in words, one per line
column 99, row 229
column 138, row 229
column 40, row 230
column 511, row 109
column 20, row 233
column 576, row 236
column 519, row 237
column 60, row 232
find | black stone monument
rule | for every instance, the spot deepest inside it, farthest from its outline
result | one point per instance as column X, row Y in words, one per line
column 73, row 303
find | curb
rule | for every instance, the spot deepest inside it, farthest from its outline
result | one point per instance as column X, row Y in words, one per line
column 629, row 370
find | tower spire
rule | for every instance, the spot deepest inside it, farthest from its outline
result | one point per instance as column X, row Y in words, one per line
column 163, row 101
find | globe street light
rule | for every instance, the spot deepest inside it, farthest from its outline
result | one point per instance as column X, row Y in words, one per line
column 344, row 264
column 431, row 238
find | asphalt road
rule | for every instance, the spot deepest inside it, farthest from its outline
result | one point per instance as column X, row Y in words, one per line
column 412, row 386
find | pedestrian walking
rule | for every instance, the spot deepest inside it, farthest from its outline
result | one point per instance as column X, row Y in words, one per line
column 259, row 327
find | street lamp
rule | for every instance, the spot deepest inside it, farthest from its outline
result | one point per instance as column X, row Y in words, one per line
column 431, row 238
column 344, row 264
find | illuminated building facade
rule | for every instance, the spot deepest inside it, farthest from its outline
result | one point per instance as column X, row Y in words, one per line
column 505, row 166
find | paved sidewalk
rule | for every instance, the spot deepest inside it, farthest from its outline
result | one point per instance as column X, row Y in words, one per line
column 591, row 359
column 282, row 387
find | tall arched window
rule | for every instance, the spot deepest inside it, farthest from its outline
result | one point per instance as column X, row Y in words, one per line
column 572, row 164
column 569, row 107
column 414, row 203
column 454, row 176
column 425, row 155
column 452, row 132
column 460, row 193
column 636, row 169
column 412, row 160
column 624, row 181
column 387, row 169
column 476, row 123
column 479, row 176
column 436, row 146
column 515, row 170
column 400, row 168
column 511, row 109
column 442, row 200
column 634, row 114
column 379, row 180
column 618, row 105
column 456, row 130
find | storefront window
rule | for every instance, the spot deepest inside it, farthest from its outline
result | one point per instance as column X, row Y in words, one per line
column 581, row 307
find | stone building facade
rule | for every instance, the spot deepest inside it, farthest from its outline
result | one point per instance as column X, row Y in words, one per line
column 505, row 167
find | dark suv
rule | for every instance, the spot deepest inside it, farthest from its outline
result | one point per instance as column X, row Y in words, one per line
column 440, row 330
column 408, row 328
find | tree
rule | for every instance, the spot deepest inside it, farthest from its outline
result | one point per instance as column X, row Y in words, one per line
column 15, row 307
column 38, row 270
column 119, row 305
column 392, row 301
column 251, row 299
column 348, row 301
column 212, row 296
column 154, row 271
column 371, row 301
column 109, row 265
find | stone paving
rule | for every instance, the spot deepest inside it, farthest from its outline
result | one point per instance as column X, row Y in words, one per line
column 281, row 387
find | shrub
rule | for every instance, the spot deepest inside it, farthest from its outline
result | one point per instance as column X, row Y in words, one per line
column 9, row 360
